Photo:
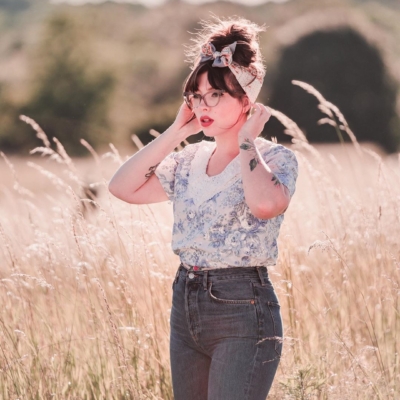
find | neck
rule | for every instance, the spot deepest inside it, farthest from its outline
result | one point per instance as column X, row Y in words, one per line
column 227, row 143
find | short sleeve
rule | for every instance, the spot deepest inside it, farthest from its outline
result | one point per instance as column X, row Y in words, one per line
column 283, row 164
column 165, row 173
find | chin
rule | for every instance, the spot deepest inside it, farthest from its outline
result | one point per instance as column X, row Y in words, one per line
column 208, row 133
column 212, row 132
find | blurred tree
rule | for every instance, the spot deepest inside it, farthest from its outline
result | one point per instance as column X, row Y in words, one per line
column 348, row 72
column 386, row 2
column 70, row 96
column 8, row 118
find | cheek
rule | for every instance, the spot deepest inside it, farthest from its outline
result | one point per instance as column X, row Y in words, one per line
column 233, row 109
column 197, row 112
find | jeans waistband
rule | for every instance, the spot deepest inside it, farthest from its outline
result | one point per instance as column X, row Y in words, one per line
column 230, row 268
column 261, row 271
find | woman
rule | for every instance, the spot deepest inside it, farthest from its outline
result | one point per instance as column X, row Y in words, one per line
column 229, row 197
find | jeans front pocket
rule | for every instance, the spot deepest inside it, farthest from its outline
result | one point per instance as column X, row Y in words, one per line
column 232, row 291
column 228, row 310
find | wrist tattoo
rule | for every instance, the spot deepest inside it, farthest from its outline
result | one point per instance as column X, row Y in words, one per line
column 248, row 145
column 151, row 170
column 276, row 181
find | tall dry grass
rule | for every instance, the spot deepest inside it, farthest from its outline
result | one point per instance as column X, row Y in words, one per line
column 86, row 284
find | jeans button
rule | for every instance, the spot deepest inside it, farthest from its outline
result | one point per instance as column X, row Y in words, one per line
column 191, row 275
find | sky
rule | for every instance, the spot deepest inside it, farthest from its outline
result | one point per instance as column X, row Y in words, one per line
column 152, row 3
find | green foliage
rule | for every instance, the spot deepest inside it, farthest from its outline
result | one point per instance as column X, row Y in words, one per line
column 8, row 117
column 14, row 5
column 69, row 93
column 70, row 99
column 345, row 68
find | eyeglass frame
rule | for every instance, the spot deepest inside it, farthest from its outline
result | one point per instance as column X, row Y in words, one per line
column 185, row 94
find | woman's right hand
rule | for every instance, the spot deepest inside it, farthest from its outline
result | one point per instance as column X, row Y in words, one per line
column 186, row 122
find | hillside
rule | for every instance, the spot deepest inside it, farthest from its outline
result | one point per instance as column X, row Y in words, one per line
column 143, row 48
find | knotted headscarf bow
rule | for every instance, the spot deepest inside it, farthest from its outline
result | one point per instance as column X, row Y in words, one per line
column 221, row 58
column 249, row 78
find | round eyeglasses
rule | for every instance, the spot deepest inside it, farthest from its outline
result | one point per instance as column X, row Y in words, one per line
column 210, row 99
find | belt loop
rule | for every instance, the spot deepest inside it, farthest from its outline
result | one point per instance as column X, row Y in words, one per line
column 205, row 280
column 261, row 276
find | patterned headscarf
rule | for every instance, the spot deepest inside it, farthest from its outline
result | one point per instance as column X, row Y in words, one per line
column 249, row 78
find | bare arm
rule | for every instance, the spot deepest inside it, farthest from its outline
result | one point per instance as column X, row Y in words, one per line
column 265, row 195
column 135, row 181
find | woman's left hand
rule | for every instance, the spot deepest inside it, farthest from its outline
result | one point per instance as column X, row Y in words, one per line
column 255, row 124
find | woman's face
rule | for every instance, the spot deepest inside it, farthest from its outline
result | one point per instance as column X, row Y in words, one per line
column 226, row 115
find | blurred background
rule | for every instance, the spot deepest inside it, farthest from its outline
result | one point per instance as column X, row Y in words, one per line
column 86, row 279
column 105, row 70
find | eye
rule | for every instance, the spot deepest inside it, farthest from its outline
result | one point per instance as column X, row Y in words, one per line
column 216, row 94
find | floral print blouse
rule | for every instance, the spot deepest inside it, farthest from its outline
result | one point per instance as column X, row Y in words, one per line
column 213, row 226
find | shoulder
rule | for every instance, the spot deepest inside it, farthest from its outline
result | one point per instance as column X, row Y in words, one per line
column 190, row 150
column 263, row 145
column 191, row 147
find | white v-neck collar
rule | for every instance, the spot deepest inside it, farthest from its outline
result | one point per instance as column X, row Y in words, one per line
column 207, row 153
column 203, row 187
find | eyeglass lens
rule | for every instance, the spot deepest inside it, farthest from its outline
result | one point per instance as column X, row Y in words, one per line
column 210, row 99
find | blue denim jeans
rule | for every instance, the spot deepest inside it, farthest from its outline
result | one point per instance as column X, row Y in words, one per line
column 226, row 334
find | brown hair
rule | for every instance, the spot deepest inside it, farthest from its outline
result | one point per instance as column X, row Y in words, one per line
column 222, row 33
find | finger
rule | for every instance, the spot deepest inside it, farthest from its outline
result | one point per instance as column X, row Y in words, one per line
column 260, row 107
column 253, row 109
column 191, row 118
column 257, row 107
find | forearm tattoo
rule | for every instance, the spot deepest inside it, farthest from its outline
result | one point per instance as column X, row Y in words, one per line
column 248, row 145
column 151, row 170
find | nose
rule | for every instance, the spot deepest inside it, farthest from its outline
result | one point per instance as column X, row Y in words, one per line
column 204, row 105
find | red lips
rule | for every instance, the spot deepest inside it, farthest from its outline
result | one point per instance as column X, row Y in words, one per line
column 206, row 121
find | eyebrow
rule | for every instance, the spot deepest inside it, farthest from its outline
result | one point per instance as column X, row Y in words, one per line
column 206, row 91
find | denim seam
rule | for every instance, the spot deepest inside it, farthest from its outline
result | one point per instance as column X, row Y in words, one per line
column 272, row 304
column 249, row 385
column 192, row 328
column 175, row 281
column 196, row 326
column 260, row 320
column 188, row 313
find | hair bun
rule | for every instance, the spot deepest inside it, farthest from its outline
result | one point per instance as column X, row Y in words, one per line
column 223, row 32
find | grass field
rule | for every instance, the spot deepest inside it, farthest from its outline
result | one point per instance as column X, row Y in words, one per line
column 86, row 286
